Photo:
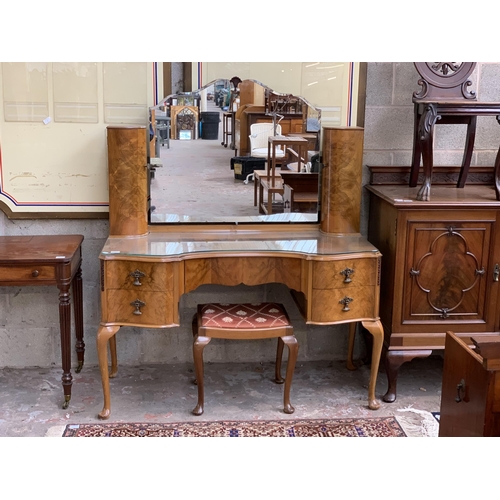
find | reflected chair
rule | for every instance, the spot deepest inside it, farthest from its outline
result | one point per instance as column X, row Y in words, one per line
column 244, row 322
column 259, row 134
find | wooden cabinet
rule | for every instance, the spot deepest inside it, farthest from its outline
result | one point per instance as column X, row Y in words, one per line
column 470, row 399
column 439, row 268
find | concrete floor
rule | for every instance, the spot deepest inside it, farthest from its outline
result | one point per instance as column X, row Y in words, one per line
column 31, row 398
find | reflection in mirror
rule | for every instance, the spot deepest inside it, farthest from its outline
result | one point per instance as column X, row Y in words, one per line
column 216, row 159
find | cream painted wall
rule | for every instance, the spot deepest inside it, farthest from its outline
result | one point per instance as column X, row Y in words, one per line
column 53, row 119
column 326, row 85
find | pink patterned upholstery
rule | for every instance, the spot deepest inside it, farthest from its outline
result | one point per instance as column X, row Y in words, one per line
column 262, row 315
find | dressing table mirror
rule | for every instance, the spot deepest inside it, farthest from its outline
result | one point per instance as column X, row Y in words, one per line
column 332, row 272
column 194, row 172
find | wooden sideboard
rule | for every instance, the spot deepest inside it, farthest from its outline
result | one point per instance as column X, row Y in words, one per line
column 331, row 270
column 440, row 268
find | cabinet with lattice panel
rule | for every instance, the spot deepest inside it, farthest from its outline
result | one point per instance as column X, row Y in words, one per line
column 440, row 268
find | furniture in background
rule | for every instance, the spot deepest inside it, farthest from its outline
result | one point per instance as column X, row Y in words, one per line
column 332, row 272
column 227, row 129
column 300, row 191
column 440, row 268
column 162, row 129
column 244, row 322
column 470, row 397
column 184, row 122
column 259, row 134
column 258, row 176
column 258, row 104
column 445, row 99
column 50, row 260
column 272, row 185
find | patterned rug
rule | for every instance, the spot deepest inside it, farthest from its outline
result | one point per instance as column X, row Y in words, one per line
column 342, row 427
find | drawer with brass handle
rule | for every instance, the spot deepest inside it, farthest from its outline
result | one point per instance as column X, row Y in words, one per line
column 147, row 276
column 346, row 272
column 337, row 305
column 144, row 308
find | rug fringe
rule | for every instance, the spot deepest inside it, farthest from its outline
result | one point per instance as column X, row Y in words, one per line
column 421, row 424
column 56, row 431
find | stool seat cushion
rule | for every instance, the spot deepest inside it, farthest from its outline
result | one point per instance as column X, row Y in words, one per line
column 244, row 316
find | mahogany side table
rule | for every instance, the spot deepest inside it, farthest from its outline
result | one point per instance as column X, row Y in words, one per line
column 50, row 260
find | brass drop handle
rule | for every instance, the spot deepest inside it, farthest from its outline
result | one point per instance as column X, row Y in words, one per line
column 460, row 389
column 137, row 275
column 346, row 301
column 138, row 304
column 35, row 273
column 347, row 274
column 496, row 272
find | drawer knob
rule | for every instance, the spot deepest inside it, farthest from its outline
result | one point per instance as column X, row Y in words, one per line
column 138, row 304
column 34, row 273
column 137, row 275
column 346, row 301
column 347, row 274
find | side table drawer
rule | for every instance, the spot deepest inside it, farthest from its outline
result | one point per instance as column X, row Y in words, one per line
column 31, row 273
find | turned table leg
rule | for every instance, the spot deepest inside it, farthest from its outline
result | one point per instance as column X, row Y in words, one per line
column 65, row 329
column 377, row 331
column 78, row 312
column 104, row 334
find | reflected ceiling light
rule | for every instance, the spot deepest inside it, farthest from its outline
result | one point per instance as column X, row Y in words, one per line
column 332, row 78
column 328, row 67
column 311, row 65
column 312, row 83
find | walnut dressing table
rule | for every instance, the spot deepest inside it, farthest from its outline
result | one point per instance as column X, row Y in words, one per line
column 332, row 271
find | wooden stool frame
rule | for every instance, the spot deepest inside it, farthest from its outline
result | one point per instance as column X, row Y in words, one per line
column 203, row 335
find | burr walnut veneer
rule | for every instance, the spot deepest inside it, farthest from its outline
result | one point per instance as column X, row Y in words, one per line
column 332, row 271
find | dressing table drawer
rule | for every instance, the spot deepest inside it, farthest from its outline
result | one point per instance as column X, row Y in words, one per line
column 339, row 304
column 31, row 273
column 344, row 273
column 139, row 276
column 144, row 308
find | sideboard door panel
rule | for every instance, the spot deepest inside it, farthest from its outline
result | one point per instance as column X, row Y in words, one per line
column 446, row 271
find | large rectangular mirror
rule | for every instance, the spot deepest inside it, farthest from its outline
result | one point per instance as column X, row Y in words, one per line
column 214, row 153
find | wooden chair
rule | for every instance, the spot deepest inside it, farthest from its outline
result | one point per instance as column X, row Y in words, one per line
column 259, row 133
column 244, row 322
column 445, row 99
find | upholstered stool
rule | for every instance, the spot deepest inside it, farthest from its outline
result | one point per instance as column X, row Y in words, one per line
column 243, row 322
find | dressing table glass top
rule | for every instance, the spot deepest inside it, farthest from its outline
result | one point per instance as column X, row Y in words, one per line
column 176, row 244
